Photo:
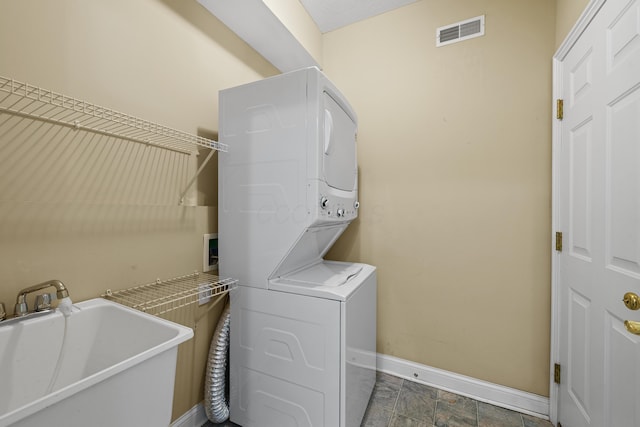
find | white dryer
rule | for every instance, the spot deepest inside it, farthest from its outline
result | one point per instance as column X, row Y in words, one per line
column 303, row 330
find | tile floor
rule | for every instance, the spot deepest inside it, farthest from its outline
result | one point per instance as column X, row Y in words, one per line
column 400, row 403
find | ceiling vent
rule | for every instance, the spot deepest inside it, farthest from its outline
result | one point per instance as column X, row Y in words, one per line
column 460, row 31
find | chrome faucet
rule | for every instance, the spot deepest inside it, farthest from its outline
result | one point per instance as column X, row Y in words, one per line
column 21, row 302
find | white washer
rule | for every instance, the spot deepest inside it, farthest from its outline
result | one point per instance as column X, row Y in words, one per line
column 303, row 330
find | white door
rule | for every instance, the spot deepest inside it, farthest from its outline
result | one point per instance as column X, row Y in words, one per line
column 598, row 173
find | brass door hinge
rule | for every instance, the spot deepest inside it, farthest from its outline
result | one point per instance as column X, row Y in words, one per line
column 559, row 109
column 556, row 373
column 559, row 241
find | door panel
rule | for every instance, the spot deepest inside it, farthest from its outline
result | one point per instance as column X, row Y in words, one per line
column 581, row 78
column 579, row 338
column 622, row 372
column 599, row 211
column 578, row 262
column 623, row 184
column 580, row 191
column 623, row 36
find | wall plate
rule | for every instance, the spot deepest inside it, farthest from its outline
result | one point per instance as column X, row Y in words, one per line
column 210, row 252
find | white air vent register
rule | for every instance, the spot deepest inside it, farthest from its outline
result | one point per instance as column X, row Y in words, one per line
column 460, row 31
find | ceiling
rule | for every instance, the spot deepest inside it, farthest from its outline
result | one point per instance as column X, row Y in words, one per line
column 330, row 15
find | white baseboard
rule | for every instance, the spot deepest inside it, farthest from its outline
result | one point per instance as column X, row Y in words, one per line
column 483, row 391
column 194, row 417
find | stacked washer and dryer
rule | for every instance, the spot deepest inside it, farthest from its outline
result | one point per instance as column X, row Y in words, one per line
column 303, row 330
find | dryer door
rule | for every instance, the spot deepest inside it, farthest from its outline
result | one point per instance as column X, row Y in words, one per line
column 339, row 161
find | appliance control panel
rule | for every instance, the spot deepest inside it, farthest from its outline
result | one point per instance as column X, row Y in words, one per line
column 340, row 208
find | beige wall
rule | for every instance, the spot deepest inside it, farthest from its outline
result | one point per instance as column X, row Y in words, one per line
column 567, row 13
column 98, row 213
column 454, row 151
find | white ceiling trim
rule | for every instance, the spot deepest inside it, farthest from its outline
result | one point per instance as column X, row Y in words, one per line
column 256, row 24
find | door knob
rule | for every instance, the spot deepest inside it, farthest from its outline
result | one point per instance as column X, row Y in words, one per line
column 631, row 300
column 633, row 327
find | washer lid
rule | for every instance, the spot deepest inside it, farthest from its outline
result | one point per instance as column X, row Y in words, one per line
column 340, row 166
column 325, row 274
column 327, row 279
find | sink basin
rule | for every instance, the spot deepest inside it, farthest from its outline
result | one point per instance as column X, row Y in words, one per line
column 114, row 366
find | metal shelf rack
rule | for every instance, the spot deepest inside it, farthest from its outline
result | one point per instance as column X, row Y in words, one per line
column 25, row 100
column 35, row 103
column 163, row 296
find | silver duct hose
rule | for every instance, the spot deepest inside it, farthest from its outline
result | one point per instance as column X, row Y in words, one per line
column 215, row 404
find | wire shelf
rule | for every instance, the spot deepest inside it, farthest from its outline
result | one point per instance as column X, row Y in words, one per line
column 25, row 100
column 161, row 297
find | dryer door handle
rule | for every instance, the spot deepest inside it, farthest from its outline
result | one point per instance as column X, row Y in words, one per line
column 328, row 131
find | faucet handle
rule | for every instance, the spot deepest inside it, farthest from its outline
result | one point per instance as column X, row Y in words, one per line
column 3, row 312
column 43, row 302
column 21, row 309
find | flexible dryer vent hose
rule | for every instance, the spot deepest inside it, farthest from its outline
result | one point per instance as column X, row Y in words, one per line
column 215, row 404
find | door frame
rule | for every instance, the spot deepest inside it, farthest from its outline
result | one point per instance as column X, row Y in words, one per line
column 556, row 139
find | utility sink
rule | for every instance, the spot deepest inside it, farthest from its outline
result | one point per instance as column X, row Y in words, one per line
column 104, row 365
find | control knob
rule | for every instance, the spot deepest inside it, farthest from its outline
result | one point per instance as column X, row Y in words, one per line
column 324, row 202
column 340, row 212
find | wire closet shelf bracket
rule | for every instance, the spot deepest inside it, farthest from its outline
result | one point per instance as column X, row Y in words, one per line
column 161, row 297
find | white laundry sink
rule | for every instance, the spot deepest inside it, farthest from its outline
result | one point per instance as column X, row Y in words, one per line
column 108, row 365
